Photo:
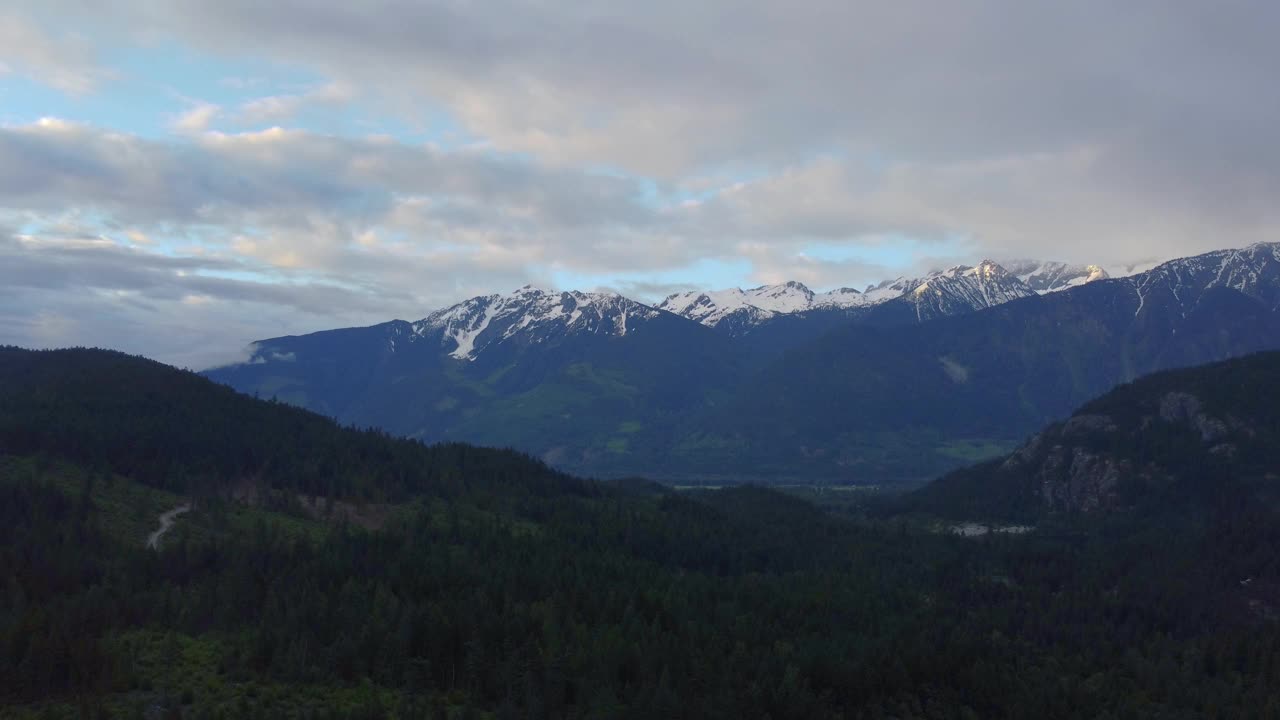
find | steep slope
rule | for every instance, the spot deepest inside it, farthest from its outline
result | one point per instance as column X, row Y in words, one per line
column 592, row 381
column 528, row 316
column 964, row 289
column 580, row 379
column 959, row 368
column 1174, row 440
column 871, row 403
column 1253, row 271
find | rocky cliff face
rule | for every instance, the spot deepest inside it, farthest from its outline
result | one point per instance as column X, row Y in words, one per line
column 1088, row 462
column 1174, row 434
column 1066, row 475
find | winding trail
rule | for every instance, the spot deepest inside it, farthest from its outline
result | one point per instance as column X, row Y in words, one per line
column 166, row 522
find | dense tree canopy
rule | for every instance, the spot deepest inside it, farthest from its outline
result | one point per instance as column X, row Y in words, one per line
column 516, row 592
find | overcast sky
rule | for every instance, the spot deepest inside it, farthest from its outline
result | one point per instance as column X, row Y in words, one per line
column 180, row 177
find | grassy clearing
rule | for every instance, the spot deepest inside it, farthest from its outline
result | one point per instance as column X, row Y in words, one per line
column 128, row 510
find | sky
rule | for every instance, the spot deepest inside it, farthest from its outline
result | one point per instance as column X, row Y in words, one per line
column 181, row 177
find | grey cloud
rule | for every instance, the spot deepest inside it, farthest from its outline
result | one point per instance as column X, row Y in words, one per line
column 199, row 311
column 187, row 336
column 971, row 76
column 63, row 60
column 217, row 177
column 79, row 266
column 1173, row 98
column 59, row 294
column 371, row 213
column 1089, row 131
column 646, row 292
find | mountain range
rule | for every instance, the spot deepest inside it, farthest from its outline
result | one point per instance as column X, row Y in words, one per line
column 958, row 289
column 899, row 381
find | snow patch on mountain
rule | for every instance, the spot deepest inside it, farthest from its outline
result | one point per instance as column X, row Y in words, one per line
column 536, row 315
column 966, row 289
column 539, row 315
column 761, row 303
column 1048, row 277
column 1253, row 271
column 958, row 289
column 711, row 307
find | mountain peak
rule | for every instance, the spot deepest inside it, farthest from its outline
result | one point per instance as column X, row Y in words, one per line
column 989, row 282
column 963, row 288
column 759, row 303
column 1047, row 277
column 530, row 313
column 973, row 286
column 989, row 268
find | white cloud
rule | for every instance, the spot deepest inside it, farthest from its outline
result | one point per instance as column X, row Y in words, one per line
column 277, row 108
column 196, row 119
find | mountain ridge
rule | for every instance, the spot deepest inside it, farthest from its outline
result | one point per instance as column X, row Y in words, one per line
column 870, row 401
column 960, row 288
column 900, row 390
column 476, row 323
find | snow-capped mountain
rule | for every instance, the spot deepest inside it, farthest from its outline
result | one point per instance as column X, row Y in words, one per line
column 535, row 315
column 964, row 289
column 1005, row 371
column 1253, row 271
column 755, row 305
column 1047, row 277
column 946, row 292
column 593, row 381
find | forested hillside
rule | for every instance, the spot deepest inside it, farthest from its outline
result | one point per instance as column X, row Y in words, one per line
column 513, row 592
column 1180, row 441
column 176, row 430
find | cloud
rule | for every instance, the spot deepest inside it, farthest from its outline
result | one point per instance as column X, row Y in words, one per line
column 643, row 291
column 278, row 108
column 291, row 177
column 1081, row 205
column 101, row 265
column 293, row 230
column 628, row 138
column 65, row 61
column 1168, row 101
column 187, row 310
column 196, row 119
